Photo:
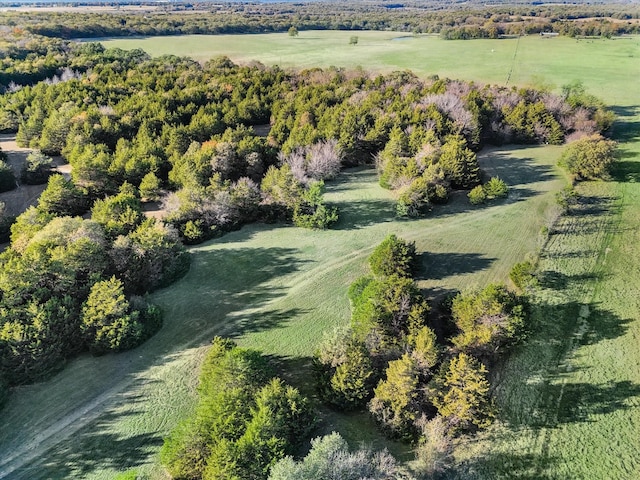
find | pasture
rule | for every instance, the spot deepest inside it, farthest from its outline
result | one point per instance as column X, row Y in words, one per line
column 569, row 398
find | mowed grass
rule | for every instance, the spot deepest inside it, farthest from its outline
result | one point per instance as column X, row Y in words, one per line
column 568, row 397
column 608, row 67
column 274, row 288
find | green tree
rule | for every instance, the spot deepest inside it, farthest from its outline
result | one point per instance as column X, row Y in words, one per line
column 62, row 197
column 459, row 163
column 589, row 158
column 150, row 187
column 37, row 169
column 108, row 324
column 119, row 214
column 293, row 31
column 7, row 177
column 393, row 256
column 462, row 394
column 396, row 403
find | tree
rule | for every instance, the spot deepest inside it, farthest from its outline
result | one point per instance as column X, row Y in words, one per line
column 396, row 403
column 462, row 394
column 353, row 40
column 119, row 214
column 329, row 458
column 37, row 169
column 7, row 177
column 293, row 31
column 589, row 158
column 393, row 256
column 488, row 319
column 459, row 163
column 62, row 197
column 108, row 324
column 150, row 187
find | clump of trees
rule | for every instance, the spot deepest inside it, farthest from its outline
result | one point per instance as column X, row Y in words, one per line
column 244, row 421
column 494, row 189
column 416, row 384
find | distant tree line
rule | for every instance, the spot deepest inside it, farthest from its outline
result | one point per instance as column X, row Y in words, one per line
column 452, row 20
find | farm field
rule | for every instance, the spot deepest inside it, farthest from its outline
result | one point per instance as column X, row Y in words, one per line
column 571, row 399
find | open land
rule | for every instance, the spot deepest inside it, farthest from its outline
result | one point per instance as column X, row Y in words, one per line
column 569, row 398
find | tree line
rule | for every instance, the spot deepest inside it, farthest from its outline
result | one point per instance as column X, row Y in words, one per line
column 451, row 20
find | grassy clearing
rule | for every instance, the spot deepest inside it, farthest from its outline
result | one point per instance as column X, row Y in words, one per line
column 569, row 398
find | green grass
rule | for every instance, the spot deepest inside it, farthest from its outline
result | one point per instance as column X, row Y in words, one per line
column 609, row 68
column 569, row 397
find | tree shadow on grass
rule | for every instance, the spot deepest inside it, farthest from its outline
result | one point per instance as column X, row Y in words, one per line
column 436, row 266
column 515, row 171
column 97, row 447
column 523, row 466
column 356, row 214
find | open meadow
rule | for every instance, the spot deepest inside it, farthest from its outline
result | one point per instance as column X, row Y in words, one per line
column 569, row 398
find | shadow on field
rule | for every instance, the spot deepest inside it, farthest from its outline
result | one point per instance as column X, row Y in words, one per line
column 626, row 128
column 579, row 402
column 102, row 448
column 355, row 214
column 526, row 466
column 436, row 266
column 515, row 171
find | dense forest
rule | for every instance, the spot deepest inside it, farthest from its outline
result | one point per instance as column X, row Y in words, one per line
column 451, row 20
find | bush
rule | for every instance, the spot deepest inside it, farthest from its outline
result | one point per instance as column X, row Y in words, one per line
column 477, row 195
column 495, row 188
column 523, row 274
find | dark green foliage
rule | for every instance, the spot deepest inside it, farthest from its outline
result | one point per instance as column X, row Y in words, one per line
column 37, row 169
column 5, row 224
column 62, row 197
column 345, row 375
column 589, row 158
column 242, row 424
column 119, row 214
column 110, row 323
column 393, row 256
column 392, row 306
column 7, row 177
column 459, row 163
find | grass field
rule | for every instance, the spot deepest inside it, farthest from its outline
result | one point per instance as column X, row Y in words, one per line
column 569, row 398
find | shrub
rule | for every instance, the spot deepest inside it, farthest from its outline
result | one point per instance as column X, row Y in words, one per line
column 394, row 256
column 477, row 195
column 495, row 188
column 589, row 158
column 7, row 178
column 523, row 274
